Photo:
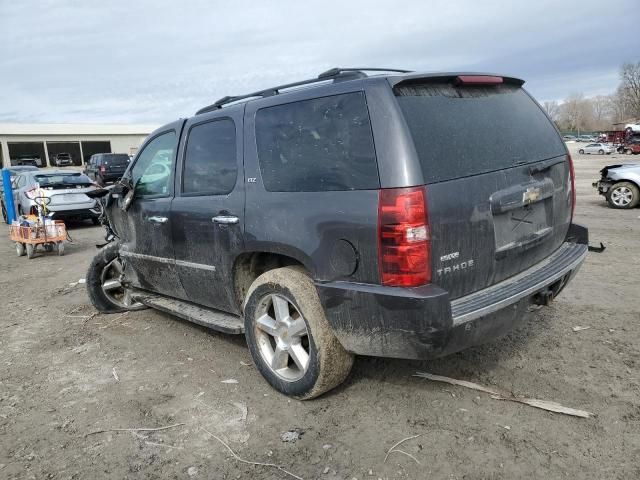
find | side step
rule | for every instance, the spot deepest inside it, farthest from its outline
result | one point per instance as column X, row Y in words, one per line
column 214, row 319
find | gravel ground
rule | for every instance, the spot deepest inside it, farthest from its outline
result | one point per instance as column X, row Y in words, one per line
column 65, row 373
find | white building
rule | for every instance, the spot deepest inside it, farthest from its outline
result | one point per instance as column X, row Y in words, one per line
column 45, row 140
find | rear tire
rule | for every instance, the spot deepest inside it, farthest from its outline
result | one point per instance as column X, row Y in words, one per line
column 601, row 152
column 581, row 151
column 60, row 248
column 623, row 195
column 31, row 250
column 294, row 350
column 20, row 250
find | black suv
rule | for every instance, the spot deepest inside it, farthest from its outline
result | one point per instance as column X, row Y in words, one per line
column 106, row 167
column 396, row 215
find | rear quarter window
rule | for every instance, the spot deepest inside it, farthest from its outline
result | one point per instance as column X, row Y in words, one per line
column 469, row 130
column 314, row 145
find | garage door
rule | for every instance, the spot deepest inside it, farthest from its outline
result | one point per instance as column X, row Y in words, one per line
column 25, row 151
column 91, row 148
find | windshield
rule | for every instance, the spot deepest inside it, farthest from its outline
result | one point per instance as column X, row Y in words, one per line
column 465, row 131
column 62, row 180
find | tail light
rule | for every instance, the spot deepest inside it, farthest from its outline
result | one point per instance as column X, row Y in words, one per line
column 572, row 176
column 31, row 193
column 403, row 237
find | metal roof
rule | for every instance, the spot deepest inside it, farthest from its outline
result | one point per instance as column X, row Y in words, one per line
column 74, row 129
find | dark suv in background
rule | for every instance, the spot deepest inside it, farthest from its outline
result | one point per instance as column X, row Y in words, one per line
column 107, row 167
column 398, row 215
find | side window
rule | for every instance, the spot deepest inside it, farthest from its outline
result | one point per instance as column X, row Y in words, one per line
column 151, row 173
column 210, row 162
column 317, row 145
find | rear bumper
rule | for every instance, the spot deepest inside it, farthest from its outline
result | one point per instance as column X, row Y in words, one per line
column 110, row 177
column 420, row 323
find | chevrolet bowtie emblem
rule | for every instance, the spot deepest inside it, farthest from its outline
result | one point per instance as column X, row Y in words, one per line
column 531, row 195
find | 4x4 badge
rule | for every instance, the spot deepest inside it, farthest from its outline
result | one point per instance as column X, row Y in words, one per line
column 251, row 180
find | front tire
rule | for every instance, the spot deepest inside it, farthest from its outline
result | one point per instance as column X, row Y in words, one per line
column 289, row 337
column 601, row 152
column 104, row 282
column 623, row 195
column 581, row 151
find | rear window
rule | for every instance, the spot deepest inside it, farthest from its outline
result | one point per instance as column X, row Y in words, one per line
column 464, row 131
column 116, row 160
column 62, row 180
column 317, row 145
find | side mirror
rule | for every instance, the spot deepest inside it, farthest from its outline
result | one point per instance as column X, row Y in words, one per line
column 122, row 186
column 128, row 198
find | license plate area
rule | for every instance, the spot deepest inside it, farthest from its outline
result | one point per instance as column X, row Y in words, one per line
column 522, row 228
column 71, row 198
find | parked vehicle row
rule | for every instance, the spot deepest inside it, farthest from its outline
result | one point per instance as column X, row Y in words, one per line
column 318, row 221
column 580, row 138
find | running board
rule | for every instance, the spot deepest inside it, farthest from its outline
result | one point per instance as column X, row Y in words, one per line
column 214, row 319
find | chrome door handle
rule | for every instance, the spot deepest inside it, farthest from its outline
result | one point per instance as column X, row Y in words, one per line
column 225, row 219
column 158, row 219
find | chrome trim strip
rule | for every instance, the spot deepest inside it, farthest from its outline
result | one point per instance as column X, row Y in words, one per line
column 168, row 261
column 467, row 317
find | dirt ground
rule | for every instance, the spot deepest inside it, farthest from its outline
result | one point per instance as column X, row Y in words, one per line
column 65, row 374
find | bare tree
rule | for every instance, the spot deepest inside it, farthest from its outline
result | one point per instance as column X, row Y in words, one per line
column 572, row 112
column 553, row 110
column 629, row 89
column 601, row 112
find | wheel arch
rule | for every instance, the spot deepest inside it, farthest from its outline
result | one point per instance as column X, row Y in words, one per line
column 250, row 265
column 636, row 182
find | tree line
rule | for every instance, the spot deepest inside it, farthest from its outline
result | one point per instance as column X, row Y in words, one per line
column 602, row 112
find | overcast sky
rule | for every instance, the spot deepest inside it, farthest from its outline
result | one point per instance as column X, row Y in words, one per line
column 153, row 61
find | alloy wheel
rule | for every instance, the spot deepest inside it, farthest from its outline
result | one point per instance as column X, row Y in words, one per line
column 282, row 337
column 621, row 196
column 111, row 283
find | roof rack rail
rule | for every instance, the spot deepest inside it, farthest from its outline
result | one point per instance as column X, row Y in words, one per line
column 336, row 74
column 332, row 72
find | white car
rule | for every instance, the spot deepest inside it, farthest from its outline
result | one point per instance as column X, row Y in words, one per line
column 599, row 148
column 66, row 190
